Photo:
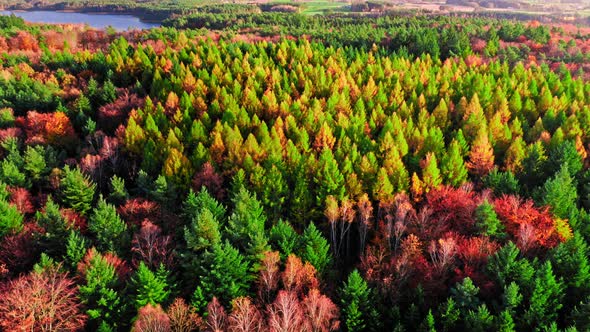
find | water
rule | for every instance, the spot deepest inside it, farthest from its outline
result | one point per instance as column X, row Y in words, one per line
column 99, row 21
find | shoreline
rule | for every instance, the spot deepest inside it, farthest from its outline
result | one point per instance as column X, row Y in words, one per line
column 144, row 15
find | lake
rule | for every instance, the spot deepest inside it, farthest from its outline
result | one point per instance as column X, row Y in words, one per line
column 99, row 21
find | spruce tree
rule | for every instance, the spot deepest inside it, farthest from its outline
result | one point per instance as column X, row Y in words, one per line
column 315, row 249
column 77, row 191
column 108, row 228
column 149, row 287
column 11, row 220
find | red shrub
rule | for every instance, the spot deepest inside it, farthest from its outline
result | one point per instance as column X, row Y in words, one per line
column 75, row 219
column 23, row 41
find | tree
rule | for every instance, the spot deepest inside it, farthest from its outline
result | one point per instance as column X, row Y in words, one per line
column 487, row 220
column 41, row 301
column 285, row 314
column 216, row 316
column 560, row 193
column 107, row 226
column 224, row 274
column 452, row 166
column 246, row 225
column 358, row 313
column 321, row 314
column 283, row 238
column 149, row 288
column 315, row 249
column 77, row 191
column 546, row 299
column 99, row 290
column 11, row 220
column 118, row 192
column 151, row 318
column 152, row 247
column 328, row 179
column 481, row 156
column 244, row 317
column 430, row 172
column 183, row 318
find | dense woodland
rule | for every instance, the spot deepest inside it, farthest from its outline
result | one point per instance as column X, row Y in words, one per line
column 416, row 175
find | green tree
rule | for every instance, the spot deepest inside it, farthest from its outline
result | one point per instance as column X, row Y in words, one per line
column 315, row 249
column 453, row 167
column 546, row 299
column 76, row 247
column 487, row 220
column 56, row 228
column 35, row 164
column 99, row 292
column 328, row 179
column 108, row 228
column 118, row 192
column 246, row 225
column 560, row 194
column 77, row 191
column 358, row 313
column 283, row 238
column 11, row 220
column 149, row 287
column 225, row 274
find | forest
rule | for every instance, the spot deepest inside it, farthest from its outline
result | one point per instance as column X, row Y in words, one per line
column 278, row 172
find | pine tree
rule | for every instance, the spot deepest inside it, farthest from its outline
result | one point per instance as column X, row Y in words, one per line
column 430, row 172
column 315, row 249
column 328, row 179
column 35, row 163
column 149, row 287
column 560, row 194
column 487, row 220
column 76, row 247
column 99, row 292
column 246, row 225
column 108, row 228
column 118, row 192
column 225, row 274
column 481, row 156
column 77, row 191
column 546, row 299
column 11, row 220
column 284, row 238
column 355, row 298
column 452, row 166
column 56, row 228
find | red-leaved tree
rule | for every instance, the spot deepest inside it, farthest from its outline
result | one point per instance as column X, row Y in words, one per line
column 45, row 301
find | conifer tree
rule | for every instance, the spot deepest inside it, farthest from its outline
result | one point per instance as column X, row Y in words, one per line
column 314, row 248
column 11, row 220
column 358, row 312
column 453, row 168
column 487, row 220
column 77, row 191
column 560, row 194
column 481, row 156
column 546, row 299
column 149, row 287
column 108, row 228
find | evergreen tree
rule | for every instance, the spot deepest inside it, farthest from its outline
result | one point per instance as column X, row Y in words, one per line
column 546, row 299
column 358, row 313
column 35, row 163
column 118, row 192
column 452, row 166
column 76, row 247
column 108, row 228
column 100, row 294
column 149, row 287
column 487, row 220
column 560, row 194
column 11, row 220
column 77, row 191
column 56, row 228
column 315, row 249
column 246, row 225
column 284, row 238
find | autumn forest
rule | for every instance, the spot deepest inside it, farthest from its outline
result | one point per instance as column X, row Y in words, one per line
column 243, row 171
